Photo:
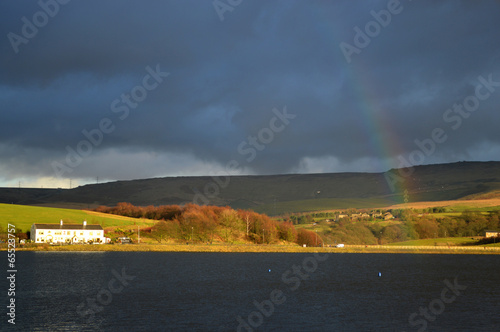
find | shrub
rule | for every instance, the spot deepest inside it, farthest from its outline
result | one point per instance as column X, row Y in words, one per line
column 287, row 232
column 309, row 238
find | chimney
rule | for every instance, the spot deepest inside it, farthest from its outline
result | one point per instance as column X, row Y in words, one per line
column 61, row 222
column 84, row 223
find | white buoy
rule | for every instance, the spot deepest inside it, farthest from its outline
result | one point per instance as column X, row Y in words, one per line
column 380, row 274
column 269, row 270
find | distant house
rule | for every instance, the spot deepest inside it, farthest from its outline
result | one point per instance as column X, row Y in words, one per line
column 388, row 216
column 491, row 233
column 70, row 233
column 341, row 216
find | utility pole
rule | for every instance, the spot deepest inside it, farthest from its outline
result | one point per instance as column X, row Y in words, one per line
column 138, row 235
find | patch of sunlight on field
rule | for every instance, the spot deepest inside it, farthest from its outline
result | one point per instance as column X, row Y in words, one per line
column 321, row 204
column 23, row 216
column 320, row 227
column 438, row 241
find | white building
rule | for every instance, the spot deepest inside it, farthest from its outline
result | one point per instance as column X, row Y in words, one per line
column 491, row 233
column 70, row 233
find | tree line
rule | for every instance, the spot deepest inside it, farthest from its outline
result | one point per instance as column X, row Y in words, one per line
column 195, row 223
column 408, row 225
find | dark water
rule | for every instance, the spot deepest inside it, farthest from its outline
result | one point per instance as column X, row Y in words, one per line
column 209, row 291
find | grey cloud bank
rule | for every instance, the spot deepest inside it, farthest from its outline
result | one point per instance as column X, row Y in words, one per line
column 225, row 76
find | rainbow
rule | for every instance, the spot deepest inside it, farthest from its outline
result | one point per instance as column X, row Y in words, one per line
column 377, row 127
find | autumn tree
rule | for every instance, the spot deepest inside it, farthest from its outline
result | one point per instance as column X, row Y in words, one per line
column 426, row 228
column 151, row 212
column 287, row 231
column 394, row 233
column 309, row 238
column 494, row 220
column 169, row 212
column 160, row 230
column 231, row 223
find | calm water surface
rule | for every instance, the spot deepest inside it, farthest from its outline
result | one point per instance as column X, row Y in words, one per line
column 115, row 291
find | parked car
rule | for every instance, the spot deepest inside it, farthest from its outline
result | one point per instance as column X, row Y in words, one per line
column 124, row 240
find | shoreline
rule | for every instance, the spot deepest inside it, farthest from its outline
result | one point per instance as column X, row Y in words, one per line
column 237, row 248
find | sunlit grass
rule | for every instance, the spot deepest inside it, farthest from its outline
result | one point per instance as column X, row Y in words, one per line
column 220, row 248
column 452, row 241
column 177, row 248
column 322, row 204
column 23, row 216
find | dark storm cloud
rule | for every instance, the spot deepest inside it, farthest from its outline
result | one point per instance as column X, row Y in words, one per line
column 226, row 77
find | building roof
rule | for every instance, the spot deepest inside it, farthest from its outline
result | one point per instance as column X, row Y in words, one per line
column 68, row 226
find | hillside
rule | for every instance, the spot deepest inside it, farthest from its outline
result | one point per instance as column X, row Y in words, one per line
column 276, row 194
column 24, row 216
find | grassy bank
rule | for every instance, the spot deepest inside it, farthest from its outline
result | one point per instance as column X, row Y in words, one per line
column 449, row 241
column 263, row 249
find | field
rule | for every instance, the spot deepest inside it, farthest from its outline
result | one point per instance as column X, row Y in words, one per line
column 23, row 216
column 322, row 204
column 455, row 205
column 451, row 241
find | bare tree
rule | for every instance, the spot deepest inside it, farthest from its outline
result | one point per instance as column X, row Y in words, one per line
column 160, row 230
column 247, row 219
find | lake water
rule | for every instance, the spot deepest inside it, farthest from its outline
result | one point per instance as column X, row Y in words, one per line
column 129, row 291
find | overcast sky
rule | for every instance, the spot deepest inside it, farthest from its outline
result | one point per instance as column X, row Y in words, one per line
column 135, row 89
